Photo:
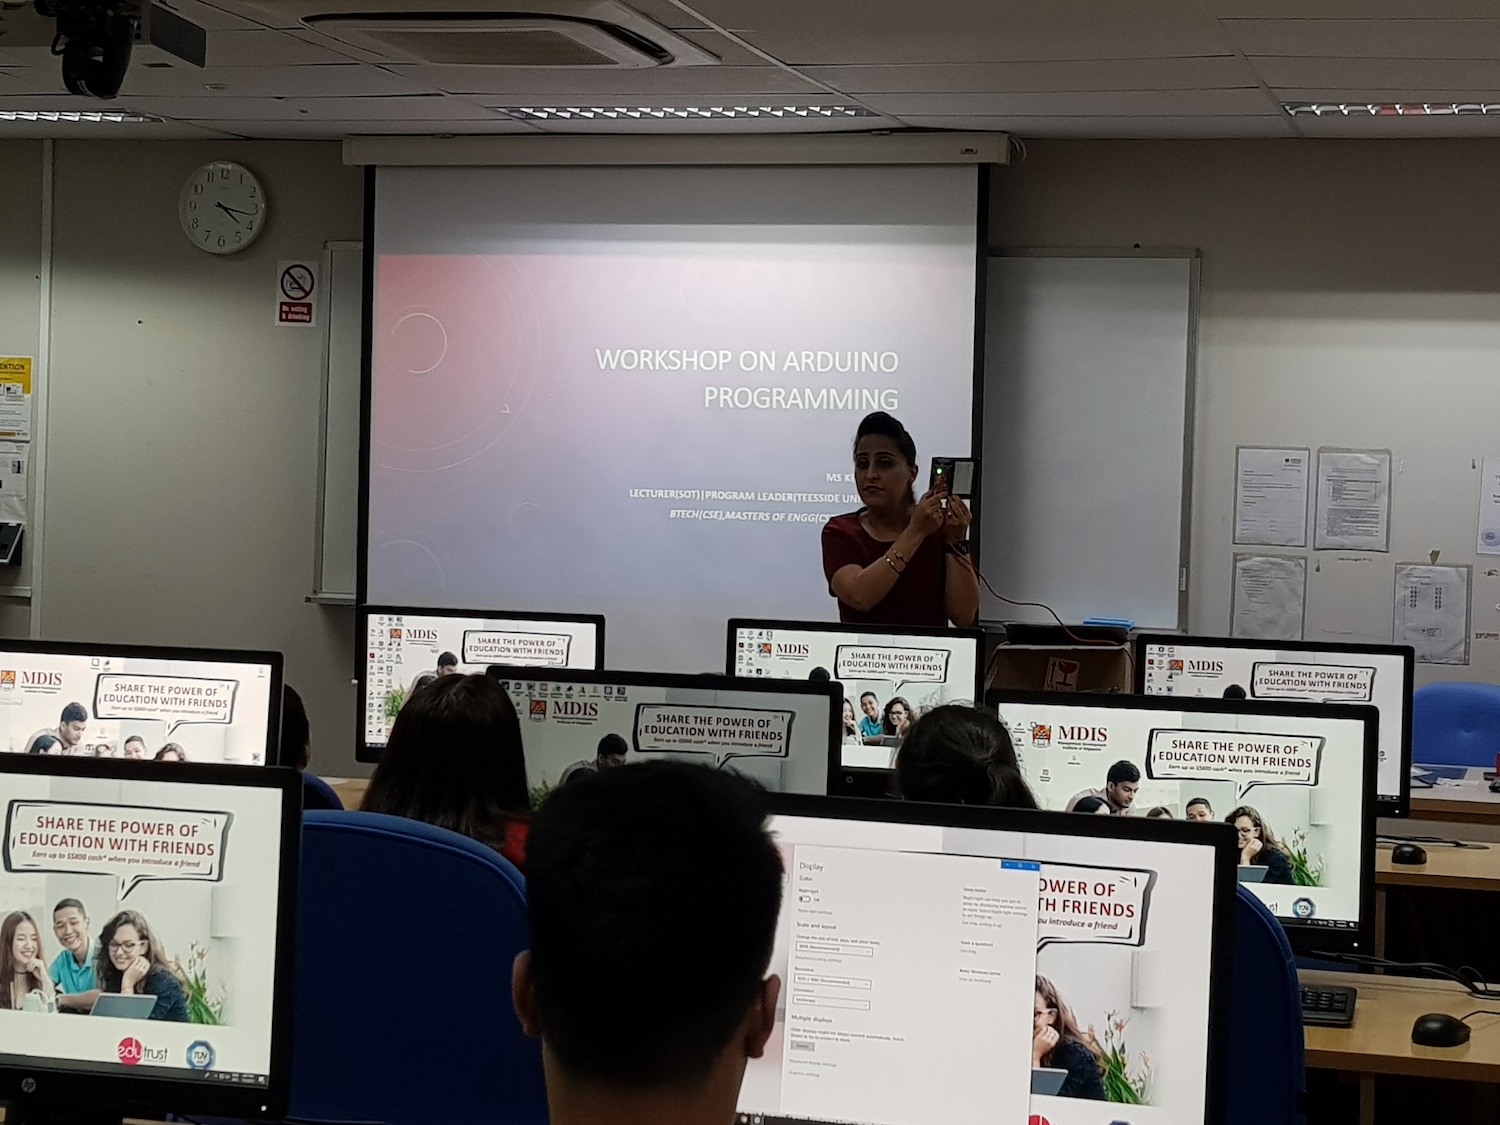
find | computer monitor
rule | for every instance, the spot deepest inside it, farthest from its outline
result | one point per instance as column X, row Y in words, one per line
column 178, row 885
column 783, row 735
column 1306, row 773
column 404, row 647
column 1295, row 671
column 134, row 702
column 913, row 938
column 877, row 666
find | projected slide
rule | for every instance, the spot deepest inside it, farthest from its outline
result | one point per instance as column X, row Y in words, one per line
column 635, row 390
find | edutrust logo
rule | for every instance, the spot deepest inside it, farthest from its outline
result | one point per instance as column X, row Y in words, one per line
column 130, row 1051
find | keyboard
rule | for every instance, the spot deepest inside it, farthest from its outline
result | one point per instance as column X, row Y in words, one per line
column 1328, row 1005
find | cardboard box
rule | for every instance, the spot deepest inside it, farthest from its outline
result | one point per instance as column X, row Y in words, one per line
column 1046, row 658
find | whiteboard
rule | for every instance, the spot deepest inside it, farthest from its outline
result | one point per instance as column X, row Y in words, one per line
column 338, row 479
column 1088, row 420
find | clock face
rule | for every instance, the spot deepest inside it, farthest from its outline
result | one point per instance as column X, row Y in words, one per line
column 222, row 207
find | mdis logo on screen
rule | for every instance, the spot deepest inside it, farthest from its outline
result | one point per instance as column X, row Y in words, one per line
column 28, row 680
column 132, row 1052
column 421, row 636
column 793, row 650
column 537, row 709
column 1041, row 734
column 574, row 709
column 1205, row 667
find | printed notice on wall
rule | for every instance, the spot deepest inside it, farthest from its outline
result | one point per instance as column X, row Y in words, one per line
column 1432, row 612
column 1270, row 595
column 1489, row 507
column 1354, row 500
column 15, row 398
column 1270, row 496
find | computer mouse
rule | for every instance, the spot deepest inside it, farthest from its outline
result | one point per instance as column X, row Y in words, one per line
column 1408, row 853
column 1439, row 1029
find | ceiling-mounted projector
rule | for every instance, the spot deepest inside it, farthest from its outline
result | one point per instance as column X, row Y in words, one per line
column 600, row 34
column 95, row 38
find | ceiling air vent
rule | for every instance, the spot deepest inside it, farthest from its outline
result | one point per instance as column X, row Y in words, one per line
column 497, row 33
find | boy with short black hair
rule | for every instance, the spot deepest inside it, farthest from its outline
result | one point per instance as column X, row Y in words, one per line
column 653, row 892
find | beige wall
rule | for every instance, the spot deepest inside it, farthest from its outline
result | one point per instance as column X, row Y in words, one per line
column 183, row 428
column 1350, row 297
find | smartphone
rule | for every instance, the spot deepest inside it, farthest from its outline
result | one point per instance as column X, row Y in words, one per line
column 955, row 475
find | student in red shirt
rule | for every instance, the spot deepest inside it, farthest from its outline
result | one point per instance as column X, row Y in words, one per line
column 898, row 560
column 454, row 759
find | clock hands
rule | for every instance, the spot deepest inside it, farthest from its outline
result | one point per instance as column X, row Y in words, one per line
column 233, row 212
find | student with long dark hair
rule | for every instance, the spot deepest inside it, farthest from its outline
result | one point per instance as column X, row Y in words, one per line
column 1057, row 1041
column 895, row 721
column 961, row 756
column 454, row 759
column 131, row 960
column 898, row 560
column 1259, row 846
column 22, row 969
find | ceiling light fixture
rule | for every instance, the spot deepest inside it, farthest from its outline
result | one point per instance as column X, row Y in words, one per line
column 92, row 117
column 678, row 113
column 1390, row 109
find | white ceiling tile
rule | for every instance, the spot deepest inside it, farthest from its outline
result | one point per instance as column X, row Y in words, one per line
column 560, row 83
column 1134, row 103
column 1125, row 128
column 336, row 80
column 267, row 48
column 1439, row 77
column 212, row 16
column 1219, row 72
column 898, row 31
column 1369, row 39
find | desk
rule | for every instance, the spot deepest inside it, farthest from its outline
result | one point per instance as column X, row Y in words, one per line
column 351, row 790
column 1380, row 1040
column 1468, row 800
column 1456, row 869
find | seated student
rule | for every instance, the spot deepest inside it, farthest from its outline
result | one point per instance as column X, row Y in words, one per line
column 609, row 754
column 851, row 725
column 72, row 970
column 961, row 756
column 1259, row 846
column 653, row 893
column 171, row 752
column 1159, row 812
column 296, row 731
column 68, row 732
column 135, row 748
column 23, row 973
column 131, row 960
column 454, row 759
column 870, row 725
column 1057, row 1041
column 896, row 720
column 447, row 664
column 1199, row 809
column 1119, row 789
column 1090, row 804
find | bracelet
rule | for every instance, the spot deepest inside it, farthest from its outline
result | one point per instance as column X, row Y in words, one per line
column 899, row 555
column 892, row 564
column 960, row 548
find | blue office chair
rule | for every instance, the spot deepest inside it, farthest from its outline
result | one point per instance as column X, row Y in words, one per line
column 1267, row 1079
column 1455, row 723
column 384, row 900
column 318, row 795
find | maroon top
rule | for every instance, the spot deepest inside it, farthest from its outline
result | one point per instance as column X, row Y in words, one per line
column 919, row 596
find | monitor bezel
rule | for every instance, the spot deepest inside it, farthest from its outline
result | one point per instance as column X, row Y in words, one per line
column 363, row 752
column 707, row 681
column 77, row 1091
column 1220, row 839
column 274, row 749
column 1307, row 941
column 1384, row 805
